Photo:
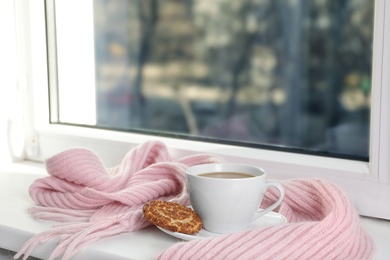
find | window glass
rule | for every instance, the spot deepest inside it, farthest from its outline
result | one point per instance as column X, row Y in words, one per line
column 292, row 75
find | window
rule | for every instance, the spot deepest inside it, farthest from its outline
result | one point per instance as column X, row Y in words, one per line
column 288, row 75
column 306, row 84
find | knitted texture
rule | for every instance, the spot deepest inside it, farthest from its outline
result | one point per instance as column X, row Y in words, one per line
column 322, row 224
column 94, row 202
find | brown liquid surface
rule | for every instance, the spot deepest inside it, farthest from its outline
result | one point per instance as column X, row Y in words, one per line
column 227, row 175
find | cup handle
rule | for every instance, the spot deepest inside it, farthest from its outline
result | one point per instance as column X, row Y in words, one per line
column 277, row 185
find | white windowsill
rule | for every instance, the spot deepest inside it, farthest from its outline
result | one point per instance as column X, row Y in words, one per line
column 16, row 225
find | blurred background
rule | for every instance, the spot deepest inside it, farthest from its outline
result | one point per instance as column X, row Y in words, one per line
column 281, row 73
column 293, row 75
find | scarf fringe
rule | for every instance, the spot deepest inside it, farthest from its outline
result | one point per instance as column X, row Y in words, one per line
column 89, row 202
column 92, row 202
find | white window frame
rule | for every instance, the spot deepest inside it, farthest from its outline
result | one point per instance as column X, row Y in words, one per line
column 368, row 184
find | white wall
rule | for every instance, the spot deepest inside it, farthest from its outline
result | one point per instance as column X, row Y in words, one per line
column 8, row 78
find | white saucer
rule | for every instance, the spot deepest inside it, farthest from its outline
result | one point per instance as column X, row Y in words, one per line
column 269, row 219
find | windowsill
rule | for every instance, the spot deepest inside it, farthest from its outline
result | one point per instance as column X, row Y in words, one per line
column 16, row 225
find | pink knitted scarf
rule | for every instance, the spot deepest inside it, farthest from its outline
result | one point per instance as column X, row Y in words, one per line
column 94, row 202
column 322, row 224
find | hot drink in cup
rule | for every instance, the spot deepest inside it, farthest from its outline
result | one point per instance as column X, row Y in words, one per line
column 227, row 196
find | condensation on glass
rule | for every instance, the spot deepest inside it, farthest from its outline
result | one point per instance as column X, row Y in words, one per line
column 284, row 74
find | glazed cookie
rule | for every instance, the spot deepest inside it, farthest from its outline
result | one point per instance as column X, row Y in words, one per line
column 172, row 216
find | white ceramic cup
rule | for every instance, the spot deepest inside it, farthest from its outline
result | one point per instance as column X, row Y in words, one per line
column 228, row 205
